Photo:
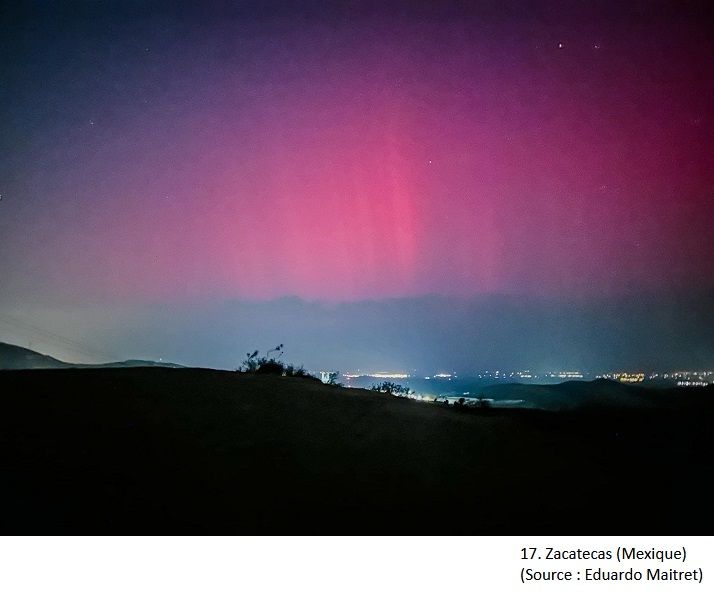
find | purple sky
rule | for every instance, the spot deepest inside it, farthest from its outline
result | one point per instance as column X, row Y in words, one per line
column 257, row 150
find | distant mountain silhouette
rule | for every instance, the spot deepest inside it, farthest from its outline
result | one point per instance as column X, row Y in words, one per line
column 16, row 357
column 601, row 393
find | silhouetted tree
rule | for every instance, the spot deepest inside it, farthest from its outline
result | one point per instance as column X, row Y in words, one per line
column 391, row 388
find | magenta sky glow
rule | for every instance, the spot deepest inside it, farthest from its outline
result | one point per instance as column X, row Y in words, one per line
column 347, row 157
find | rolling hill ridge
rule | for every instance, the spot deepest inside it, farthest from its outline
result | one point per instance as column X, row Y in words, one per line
column 16, row 357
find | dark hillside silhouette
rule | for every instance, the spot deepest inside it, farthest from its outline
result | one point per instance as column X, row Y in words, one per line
column 197, row 451
column 17, row 357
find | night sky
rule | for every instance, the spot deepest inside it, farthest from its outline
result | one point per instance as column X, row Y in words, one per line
column 559, row 153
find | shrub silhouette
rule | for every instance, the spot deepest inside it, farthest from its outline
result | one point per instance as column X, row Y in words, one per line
column 391, row 388
column 272, row 365
column 332, row 379
column 293, row 371
column 263, row 364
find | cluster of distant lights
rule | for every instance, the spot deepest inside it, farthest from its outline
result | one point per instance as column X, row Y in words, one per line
column 682, row 378
column 497, row 374
column 624, row 377
column 378, row 375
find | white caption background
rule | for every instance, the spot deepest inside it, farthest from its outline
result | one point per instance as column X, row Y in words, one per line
column 318, row 568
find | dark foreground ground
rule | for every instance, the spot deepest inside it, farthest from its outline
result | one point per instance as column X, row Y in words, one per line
column 160, row 451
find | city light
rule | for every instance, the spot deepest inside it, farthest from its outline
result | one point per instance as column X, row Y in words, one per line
column 699, row 378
